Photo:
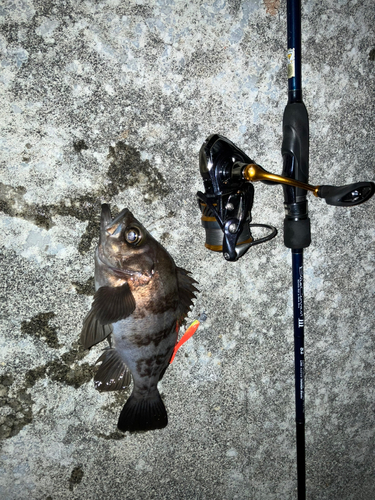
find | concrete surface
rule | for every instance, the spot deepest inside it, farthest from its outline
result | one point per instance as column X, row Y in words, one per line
column 110, row 101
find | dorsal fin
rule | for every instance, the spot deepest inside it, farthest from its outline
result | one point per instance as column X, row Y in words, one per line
column 186, row 291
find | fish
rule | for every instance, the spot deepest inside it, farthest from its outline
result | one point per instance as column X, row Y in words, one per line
column 141, row 299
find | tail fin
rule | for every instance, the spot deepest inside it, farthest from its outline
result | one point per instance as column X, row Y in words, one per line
column 143, row 414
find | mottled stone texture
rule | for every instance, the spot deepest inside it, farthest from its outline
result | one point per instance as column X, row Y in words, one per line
column 110, row 101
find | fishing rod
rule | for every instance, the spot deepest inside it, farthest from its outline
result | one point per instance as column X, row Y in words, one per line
column 228, row 174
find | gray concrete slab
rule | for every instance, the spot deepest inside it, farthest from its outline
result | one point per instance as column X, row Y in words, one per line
column 110, row 101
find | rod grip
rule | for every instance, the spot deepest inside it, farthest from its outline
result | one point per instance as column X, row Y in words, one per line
column 297, row 233
column 347, row 196
column 296, row 143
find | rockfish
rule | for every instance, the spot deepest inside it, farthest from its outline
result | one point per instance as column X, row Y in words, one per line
column 140, row 301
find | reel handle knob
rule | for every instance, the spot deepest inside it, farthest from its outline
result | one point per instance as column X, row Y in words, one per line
column 347, row 196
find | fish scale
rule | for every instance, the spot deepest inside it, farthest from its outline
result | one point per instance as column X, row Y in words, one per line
column 141, row 298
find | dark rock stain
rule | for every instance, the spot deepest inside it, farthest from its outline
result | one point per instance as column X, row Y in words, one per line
column 19, row 404
column 116, row 436
column 234, row 7
column 61, row 370
column 371, row 55
column 10, row 31
column 13, row 204
column 126, row 170
column 87, row 288
column 18, row 408
column 79, row 145
column 75, row 477
column 11, row 199
column 38, row 327
column 165, row 237
column 42, row 216
column 119, row 399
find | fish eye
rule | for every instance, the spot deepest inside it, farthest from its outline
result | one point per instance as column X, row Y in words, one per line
column 133, row 236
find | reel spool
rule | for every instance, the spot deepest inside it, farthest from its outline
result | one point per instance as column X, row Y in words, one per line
column 228, row 199
column 214, row 233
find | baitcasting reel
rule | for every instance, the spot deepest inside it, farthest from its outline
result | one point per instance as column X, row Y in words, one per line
column 226, row 205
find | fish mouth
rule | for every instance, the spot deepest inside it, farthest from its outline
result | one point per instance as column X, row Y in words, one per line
column 119, row 218
column 106, row 220
column 127, row 273
column 121, row 273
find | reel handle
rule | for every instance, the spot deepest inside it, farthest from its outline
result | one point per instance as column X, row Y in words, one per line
column 347, row 196
column 339, row 196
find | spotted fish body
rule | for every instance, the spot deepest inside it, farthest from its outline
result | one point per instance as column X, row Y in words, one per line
column 141, row 298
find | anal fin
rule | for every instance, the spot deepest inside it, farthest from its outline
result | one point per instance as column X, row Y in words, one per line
column 113, row 374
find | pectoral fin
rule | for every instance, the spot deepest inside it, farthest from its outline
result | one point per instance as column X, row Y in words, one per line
column 93, row 331
column 113, row 303
column 186, row 293
column 113, row 374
